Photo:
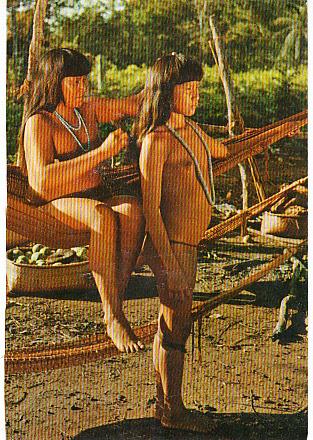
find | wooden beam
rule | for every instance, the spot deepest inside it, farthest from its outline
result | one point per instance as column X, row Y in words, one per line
column 235, row 120
column 203, row 309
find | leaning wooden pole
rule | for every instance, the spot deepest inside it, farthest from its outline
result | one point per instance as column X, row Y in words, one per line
column 36, row 44
column 199, row 311
column 235, row 120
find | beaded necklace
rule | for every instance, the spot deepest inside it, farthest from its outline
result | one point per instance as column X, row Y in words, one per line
column 71, row 128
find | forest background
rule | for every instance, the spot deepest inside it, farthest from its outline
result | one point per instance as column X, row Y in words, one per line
column 266, row 46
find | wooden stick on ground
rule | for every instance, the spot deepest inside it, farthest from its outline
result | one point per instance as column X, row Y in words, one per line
column 234, row 222
column 203, row 309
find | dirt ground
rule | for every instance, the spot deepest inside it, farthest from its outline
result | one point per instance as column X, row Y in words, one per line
column 252, row 387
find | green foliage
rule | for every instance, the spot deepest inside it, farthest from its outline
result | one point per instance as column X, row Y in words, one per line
column 123, row 82
column 264, row 96
column 13, row 123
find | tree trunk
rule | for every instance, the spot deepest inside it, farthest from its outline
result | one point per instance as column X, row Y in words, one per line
column 201, row 8
column 37, row 38
column 14, row 45
column 235, row 121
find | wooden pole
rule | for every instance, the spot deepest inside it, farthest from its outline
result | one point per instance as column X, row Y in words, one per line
column 203, row 309
column 36, row 43
column 235, row 120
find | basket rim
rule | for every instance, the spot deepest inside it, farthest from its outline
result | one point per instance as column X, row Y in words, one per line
column 47, row 266
column 274, row 214
column 50, row 266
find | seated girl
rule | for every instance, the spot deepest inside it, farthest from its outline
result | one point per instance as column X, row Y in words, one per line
column 60, row 149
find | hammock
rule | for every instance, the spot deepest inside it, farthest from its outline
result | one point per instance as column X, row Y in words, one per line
column 89, row 349
column 41, row 227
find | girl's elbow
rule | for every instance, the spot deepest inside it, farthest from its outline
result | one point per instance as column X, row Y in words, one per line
column 39, row 186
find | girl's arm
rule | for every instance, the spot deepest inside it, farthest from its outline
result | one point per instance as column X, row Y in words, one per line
column 52, row 179
column 218, row 149
column 153, row 156
column 109, row 109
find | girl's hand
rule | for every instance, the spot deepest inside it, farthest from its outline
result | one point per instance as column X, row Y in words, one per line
column 115, row 142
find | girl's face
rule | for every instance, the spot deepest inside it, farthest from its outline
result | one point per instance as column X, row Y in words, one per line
column 74, row 90
column 186, row 97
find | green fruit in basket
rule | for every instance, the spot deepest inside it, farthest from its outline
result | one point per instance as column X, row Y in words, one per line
column 36, row 256
column 22, row 259
column 82, row 253
column 40, row 263
column 75, row 249
column 59, row 252
column 17, row 253
column 10, row 255
column 37, row 247
column 45, row 251
column 28, row 254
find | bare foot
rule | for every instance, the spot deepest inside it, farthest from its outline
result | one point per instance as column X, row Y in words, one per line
column 123, row 336
column 189, row 420
column 158, row 411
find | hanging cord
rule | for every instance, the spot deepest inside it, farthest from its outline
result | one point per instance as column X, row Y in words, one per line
column 210, row 196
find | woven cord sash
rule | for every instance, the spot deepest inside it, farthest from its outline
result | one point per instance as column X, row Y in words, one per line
column 210, row 196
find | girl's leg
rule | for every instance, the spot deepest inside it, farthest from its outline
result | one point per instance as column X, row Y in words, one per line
column 102, row 221
column 130, row 224
column 169, row 349
column 131, row 233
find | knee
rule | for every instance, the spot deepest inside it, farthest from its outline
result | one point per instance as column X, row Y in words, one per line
column 185, row 330
column 129, row 206
column 134, row 210
column 105, row 220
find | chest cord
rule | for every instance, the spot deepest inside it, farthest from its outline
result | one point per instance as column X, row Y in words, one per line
column 210, row 196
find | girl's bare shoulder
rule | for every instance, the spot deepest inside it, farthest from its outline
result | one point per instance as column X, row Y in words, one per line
column 42, row 119
column 42, row 123
column 160, row 135
column 159, row 141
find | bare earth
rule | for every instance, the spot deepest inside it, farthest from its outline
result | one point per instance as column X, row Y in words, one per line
column 252, row 387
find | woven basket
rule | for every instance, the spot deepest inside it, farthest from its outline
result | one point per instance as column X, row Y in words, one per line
column 32, row 278
column 285, row 225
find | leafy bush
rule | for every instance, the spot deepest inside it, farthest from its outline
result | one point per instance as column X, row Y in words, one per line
column 118, row 83
column 13, row 123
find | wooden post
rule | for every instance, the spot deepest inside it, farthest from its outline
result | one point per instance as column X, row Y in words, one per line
column 36, row 43
column 235, row 120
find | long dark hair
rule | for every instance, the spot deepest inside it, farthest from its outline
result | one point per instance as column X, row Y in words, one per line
column 156, row 107
column 45, row 89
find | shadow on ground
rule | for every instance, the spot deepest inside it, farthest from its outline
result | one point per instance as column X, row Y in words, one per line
column 234, row 426
column 139, row 287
